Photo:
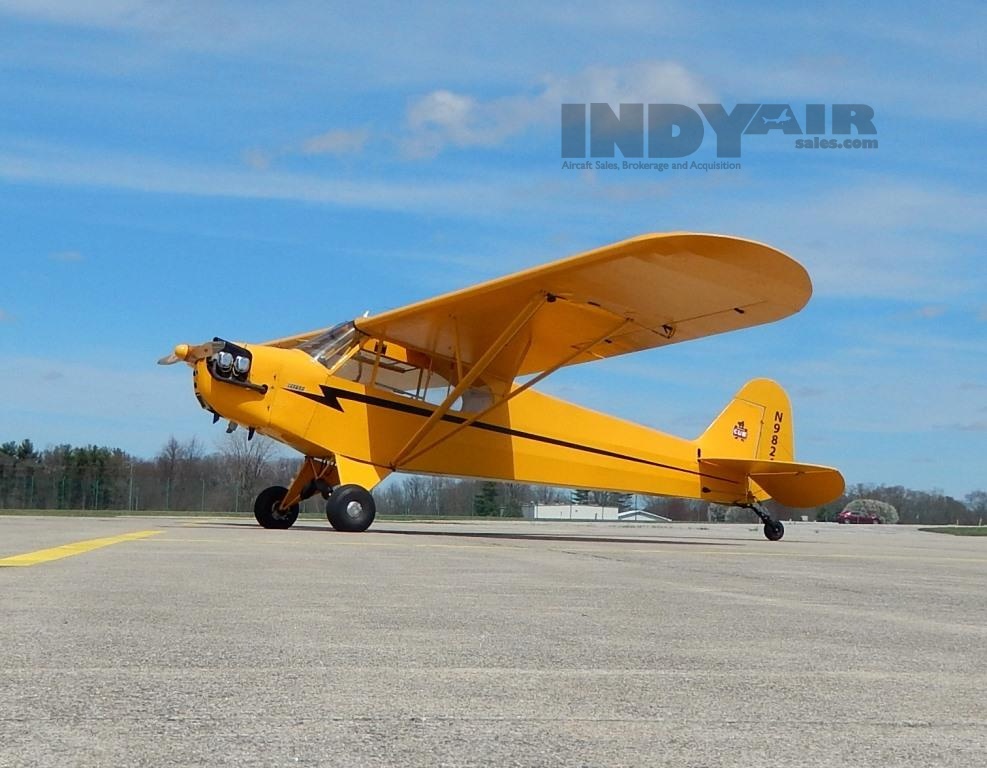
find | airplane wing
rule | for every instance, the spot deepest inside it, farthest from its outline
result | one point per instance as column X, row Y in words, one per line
column 659, row 289
column 650, row 291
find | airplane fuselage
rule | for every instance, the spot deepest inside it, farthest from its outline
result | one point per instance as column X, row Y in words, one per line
column 531, row 438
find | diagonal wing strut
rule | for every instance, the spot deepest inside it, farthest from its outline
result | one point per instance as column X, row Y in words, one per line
column 506, row 336
column 576, row 352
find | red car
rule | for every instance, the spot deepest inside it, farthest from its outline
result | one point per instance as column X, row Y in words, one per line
column 860, row 518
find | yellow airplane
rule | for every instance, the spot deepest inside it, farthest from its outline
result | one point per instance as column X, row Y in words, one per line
column 446, row 386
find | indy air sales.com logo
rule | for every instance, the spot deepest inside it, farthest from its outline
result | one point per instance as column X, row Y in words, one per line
column 674, row 131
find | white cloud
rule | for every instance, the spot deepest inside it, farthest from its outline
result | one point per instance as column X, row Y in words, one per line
column 94, row 13
column 863, row 236
column 644, row 82
column 258, row 159
column 967, row 426
column 184, row 23
column 874, row 236
column 51, row 164
column 890, row 91
column 67, row 256
column 444, row 118
column 335, row 142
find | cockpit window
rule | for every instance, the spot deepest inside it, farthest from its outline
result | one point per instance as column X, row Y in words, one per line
column 328, row 346
column 353, row 356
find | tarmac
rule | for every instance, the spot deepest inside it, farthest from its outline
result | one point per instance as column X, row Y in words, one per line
column 214, row 642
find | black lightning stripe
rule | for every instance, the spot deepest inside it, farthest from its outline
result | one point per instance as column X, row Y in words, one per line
column 327, row 397
column 331, row 396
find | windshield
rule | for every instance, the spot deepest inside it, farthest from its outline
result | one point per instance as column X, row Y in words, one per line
column 329, row 345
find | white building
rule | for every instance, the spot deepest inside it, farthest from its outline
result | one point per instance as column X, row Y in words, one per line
column 569, row 512
column 643, row 516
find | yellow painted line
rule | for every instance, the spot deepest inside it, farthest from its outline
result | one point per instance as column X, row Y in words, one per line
column 68, row 550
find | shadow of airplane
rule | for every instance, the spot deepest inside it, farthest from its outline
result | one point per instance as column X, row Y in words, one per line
column 491, row 535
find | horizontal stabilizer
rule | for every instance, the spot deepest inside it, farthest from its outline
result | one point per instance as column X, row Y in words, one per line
column 787, row 482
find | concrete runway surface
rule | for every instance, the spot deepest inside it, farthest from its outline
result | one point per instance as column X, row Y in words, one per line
column 217, row 643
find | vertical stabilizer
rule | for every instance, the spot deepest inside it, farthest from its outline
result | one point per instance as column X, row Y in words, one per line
column 756, row 424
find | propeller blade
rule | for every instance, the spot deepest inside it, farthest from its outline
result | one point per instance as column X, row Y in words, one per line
column 202, row 351
column 192, row 355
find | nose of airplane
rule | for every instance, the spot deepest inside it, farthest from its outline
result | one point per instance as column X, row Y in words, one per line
column 234, row 381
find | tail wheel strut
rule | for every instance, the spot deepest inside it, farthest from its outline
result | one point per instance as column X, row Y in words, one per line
column 773, row 529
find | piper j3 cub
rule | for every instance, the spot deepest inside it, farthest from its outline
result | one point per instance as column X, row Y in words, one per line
column 433, row 387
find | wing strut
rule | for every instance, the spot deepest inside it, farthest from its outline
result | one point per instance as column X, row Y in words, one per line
column 576, row 351
column 505, row 338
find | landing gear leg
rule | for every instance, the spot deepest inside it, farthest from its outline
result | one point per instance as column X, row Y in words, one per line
column 314, row 476
column 773, row 529
column 277, row 507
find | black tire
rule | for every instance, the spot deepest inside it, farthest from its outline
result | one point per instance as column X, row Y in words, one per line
column 351, row 509
column 774, row 530
column 267, row 508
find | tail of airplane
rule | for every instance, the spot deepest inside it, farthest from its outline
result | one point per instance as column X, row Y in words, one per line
column 753, row 437
column 756, row 424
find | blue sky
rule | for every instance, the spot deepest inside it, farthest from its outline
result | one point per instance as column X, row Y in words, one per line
column 171, row 171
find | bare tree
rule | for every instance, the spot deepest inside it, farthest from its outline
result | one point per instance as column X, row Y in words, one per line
column 245, row 463
column 180, row 468
column 419, row 495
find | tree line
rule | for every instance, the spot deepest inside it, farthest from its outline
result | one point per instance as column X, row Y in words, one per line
column 185, row 477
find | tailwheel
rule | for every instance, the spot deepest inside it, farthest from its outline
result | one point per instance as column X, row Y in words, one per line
column 773, row 529
column 268, row 509
column 351, row 509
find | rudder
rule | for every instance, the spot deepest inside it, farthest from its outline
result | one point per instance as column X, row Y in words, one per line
column 755, row 425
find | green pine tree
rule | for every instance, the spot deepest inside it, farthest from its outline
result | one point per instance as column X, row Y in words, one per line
column 485, row 501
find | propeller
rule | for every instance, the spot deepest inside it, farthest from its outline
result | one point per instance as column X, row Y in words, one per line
column 192, row 355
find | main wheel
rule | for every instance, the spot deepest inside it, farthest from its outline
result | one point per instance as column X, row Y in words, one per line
column 268, row 511
column 774, row 530
column 351, row 509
